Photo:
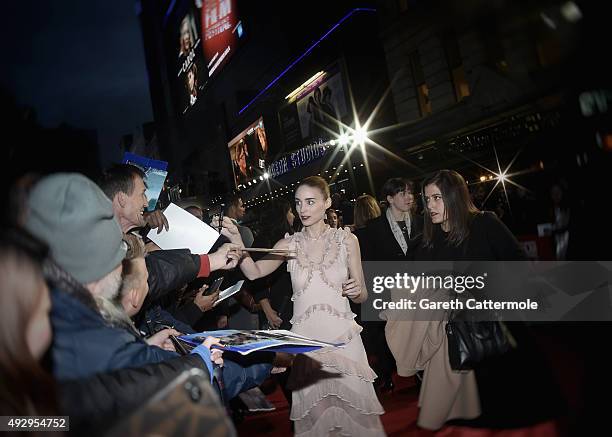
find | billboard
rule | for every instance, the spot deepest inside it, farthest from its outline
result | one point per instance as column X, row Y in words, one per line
column 314, row 113
column 248, row 153
column 221, row 31
column 189, row 69
column 200, row 37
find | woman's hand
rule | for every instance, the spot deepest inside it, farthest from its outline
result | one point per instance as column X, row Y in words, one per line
column 162, row 339
column 273, row 318
column 351, row 289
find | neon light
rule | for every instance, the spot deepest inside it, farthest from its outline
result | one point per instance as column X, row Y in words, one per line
column 168, row 12
column 303, row 55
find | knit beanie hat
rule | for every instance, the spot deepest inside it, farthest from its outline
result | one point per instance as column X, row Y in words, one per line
column 75, row 218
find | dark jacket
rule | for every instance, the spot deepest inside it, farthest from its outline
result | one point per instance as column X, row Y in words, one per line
column 83, row 342
column 379, row 244
column 169, row 270
column 489, row 240
column 503, row 381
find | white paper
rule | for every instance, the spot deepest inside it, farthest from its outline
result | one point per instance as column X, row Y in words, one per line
column 229, row 291
column 186, row 232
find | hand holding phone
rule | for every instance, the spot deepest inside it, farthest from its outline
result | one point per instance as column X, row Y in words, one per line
column 206, row 302
column 213, row 288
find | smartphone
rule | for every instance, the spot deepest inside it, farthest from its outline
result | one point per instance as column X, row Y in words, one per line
column 213, row 287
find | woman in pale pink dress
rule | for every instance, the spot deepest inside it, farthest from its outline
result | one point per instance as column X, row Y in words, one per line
column 332, row 387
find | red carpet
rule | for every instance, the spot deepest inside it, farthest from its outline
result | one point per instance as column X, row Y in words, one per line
column 399, row 419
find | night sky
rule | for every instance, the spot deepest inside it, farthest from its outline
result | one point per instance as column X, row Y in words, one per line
column 79, row 62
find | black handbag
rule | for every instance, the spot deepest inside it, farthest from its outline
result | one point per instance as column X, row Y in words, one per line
column 470, row 341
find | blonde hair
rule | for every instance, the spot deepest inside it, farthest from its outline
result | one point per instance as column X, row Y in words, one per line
column 111, row 309
column 366, row 208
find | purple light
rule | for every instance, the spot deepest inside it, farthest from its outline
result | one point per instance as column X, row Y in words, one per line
column 306, row 53
column 168, row 12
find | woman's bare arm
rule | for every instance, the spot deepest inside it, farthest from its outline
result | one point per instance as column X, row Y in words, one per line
column 266, row 265
column 354, row 288
column 251, row 269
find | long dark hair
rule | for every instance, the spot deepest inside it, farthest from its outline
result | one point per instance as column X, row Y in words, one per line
column 459, row 210
column 274, row 223
column 25, row 387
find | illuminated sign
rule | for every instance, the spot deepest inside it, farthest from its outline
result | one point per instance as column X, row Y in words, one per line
column 221, row 30
column 298, row 158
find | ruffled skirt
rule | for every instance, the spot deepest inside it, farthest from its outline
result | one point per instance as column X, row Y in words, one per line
column 332, row 390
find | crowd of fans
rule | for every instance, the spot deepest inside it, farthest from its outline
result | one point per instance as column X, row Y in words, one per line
column 90, row 307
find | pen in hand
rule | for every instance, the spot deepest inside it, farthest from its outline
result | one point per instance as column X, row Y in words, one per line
column 220, row 221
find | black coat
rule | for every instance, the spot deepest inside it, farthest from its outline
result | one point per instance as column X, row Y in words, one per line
column 379, row 244
column 170, row 270
column 489, row 240
column 503, row 381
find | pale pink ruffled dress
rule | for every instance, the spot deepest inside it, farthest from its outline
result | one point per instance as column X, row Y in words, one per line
column 334, row 395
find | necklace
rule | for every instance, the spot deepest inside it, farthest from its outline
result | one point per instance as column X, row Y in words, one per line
column 318, row 236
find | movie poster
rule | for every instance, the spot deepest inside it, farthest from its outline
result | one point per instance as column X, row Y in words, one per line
column 248, row 153
column 155, row 175
column 191, row 71
column 221, row 30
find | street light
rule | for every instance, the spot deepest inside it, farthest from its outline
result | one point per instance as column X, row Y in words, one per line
column 361, row 136
column 343, row 139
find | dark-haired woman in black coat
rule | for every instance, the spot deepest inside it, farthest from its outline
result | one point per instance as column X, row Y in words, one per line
column 513, row 390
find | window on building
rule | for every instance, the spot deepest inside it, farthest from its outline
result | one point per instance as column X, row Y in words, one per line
column 455, row 66
column 422, row 90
